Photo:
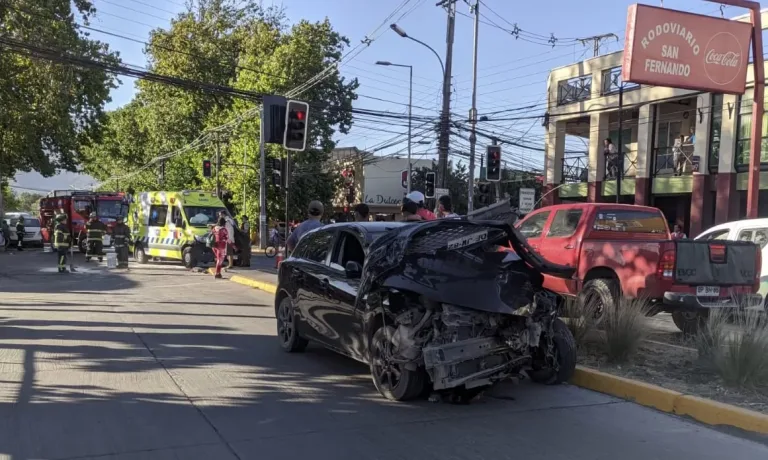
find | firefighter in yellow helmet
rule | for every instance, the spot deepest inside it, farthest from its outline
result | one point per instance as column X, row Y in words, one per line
column 62, row 240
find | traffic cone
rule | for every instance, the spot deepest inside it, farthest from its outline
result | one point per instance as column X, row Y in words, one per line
column 278, row 257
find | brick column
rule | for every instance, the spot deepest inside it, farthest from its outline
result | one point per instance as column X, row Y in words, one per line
column 646, row 124
column 555, row 149
column 727, row 201
column 700, row 196
column 598, row 130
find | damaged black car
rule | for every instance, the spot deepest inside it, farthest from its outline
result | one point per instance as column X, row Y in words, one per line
column 432, row 306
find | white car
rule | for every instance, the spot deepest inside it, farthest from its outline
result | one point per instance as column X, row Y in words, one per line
column 754, row 230
column 32, row 235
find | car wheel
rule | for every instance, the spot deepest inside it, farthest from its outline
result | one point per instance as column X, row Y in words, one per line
column 392, row 379
column 560, row 365
column 82, row 245
column 690, row 322
column 140, row 255
column 188, row 258
column 602, row 293
column 287, row 334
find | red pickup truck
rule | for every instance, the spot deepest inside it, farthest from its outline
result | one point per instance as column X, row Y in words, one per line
column 626, row 250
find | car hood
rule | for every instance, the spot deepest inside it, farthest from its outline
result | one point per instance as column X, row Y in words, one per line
column 457, row 261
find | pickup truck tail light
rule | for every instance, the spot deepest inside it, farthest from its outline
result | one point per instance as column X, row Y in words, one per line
column 717, row 253
column 666, row 267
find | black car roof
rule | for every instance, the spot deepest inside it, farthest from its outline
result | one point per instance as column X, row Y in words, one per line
column 371, row 227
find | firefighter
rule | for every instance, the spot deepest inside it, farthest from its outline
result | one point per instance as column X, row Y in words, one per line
column 94, row 232
column 62, row 241
column 20, row 233
column 122, row 235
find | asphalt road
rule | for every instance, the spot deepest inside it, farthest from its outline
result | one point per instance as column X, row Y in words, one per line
column 160, row 363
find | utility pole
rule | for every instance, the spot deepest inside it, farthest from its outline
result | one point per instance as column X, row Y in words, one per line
column 620, row 159
column 218, row 169
column 494, row 141
column 473, row 112
column 286, row 180
column 262, row 184
column 445, row 115
column 596, row 39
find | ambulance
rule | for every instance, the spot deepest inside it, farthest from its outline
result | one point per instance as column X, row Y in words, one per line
column 173, row 225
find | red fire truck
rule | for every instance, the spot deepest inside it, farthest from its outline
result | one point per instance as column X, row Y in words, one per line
column 78, row 205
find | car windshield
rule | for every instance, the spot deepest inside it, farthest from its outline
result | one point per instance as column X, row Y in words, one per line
column 28, row 222
column 110, row 208
column 201, row 216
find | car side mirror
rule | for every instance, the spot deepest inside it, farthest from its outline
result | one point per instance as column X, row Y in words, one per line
column 353, row 270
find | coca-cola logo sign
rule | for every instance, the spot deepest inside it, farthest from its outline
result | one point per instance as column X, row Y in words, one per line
column 723, row 58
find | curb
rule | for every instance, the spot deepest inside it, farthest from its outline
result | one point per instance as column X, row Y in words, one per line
column 703, row 410
column 245, row 281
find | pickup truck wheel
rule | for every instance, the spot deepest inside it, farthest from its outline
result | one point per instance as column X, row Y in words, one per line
column 560, row 365
column 690, row 322
column 390, row 378
column 602, row 292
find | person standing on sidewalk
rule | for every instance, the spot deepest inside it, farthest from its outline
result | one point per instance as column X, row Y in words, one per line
column 362, row 213
column 445, row 208
column 315, row 212
column 230, row 226
column 221, row 242
column 20, row 233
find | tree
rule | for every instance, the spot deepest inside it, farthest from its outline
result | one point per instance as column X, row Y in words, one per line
column 50, row 110
column 456, row 183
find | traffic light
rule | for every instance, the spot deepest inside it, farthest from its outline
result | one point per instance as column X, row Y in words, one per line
column 493, row 157
column 277, row 173
column 349, row 183
column 273, row 119
column 484, row 193
column 296, row 123
column 429, row 185
column 207, row 168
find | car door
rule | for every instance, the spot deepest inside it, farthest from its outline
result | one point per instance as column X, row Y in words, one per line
column 158, row 219
column 759, row 236
column 561, row 245
column 345, row 319
column 532, row 228
column 312, row 275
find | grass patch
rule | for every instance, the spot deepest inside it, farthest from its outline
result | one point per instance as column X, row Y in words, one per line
column 625, row 327
column 580, row 318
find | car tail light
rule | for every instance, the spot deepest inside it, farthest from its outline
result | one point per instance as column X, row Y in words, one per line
column 717, row 253
column 666, row 267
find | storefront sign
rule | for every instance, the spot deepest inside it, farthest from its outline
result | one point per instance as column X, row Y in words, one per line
column 683, row 50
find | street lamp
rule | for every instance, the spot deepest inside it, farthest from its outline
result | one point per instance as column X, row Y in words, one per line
column 410, row 108
column 399, row 31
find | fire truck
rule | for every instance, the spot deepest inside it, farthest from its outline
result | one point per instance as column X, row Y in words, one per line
column 78, row 205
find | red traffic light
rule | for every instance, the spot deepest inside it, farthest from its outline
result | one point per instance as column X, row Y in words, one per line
column 206, row 164
column 301, row 116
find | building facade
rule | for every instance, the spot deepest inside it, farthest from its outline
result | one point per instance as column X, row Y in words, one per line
column 685, row 152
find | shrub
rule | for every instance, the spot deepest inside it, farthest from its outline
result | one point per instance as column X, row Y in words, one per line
column 741, row 357
column 625, row 327
column 581, row 319
column 711, row 338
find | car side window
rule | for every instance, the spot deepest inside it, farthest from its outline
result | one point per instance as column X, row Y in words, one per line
column 564, row 224
column 348, row 248
column 533, row 227
column 157, row 215
column 317, row 246
column 759, row 236
column 176, row 218
column 718, row 235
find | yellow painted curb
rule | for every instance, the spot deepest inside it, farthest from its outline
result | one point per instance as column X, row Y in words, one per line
column 245, row 281
column 700, row 409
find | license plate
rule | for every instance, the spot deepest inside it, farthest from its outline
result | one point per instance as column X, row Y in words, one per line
column 708, row 291
column 467, row 240
column 106, row 240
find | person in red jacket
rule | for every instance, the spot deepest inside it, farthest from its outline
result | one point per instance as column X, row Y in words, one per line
column 423, row 212
column 221, row 237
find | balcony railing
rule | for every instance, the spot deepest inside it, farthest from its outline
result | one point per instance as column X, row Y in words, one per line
column 612, row 82
column 612, row 165
column 574, row 89
column 668, row 163
column 575, row 169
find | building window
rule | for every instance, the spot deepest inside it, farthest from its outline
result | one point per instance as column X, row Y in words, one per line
column 715, row 127
column 574, row 90
column 612, row 81
column 744, row 133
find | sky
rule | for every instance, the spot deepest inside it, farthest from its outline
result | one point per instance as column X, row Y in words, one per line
column 512, row 70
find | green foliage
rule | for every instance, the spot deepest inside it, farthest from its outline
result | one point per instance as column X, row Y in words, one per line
column 10, row 200
column 49, row 110
column 456, row 184
column 251, row 48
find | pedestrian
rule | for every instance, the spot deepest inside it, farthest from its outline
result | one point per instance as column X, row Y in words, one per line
column 418, row 198
column 230, row 226
column 611, row 159
column 445, row 208
column 678, row 156
column 20, row 233
column 314, row 212
column 122, row 236
column 410, row 212
column 6, row 230
column 362, row 213
column 94, row 234
column 220, row 245
column 246, row 227
column 62, row 241
column 678, row 233
column 691, row 136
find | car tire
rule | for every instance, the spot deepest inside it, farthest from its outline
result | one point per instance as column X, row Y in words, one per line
column 140, row 255
column 603, row 290
column 565, row 353
column 690, row 322
column 407, row 385
column 188, row 258
column 82, row 245
column 287, row 333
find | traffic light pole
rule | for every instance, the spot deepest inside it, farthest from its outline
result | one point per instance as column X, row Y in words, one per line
column 262, row 185
column 473, row 115
column 444, row 140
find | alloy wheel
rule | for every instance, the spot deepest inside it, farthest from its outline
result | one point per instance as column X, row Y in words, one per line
column 387, row 372
column 285, row 324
